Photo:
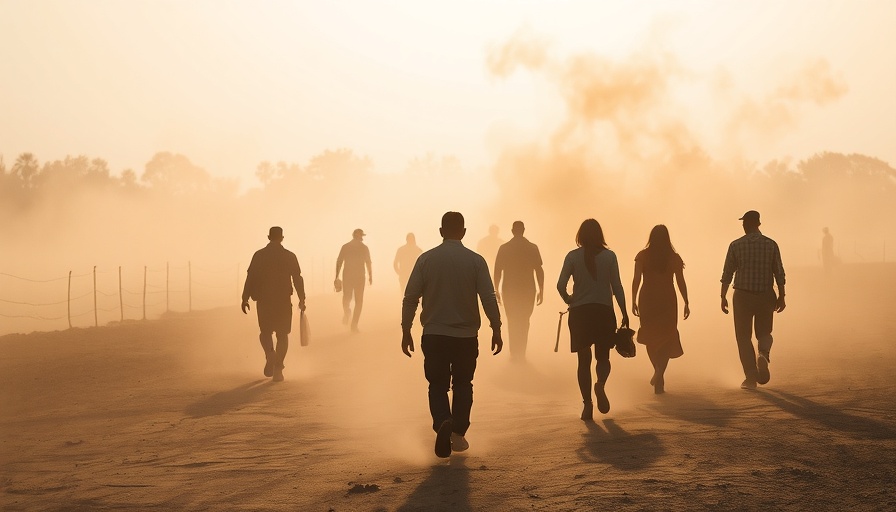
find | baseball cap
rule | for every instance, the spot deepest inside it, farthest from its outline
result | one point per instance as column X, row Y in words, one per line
column 750, row 216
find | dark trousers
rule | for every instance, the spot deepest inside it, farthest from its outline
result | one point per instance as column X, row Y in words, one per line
column 753, row 311
column 518, row 307
column 450, row 362
column 353, row 289
column 274, row 317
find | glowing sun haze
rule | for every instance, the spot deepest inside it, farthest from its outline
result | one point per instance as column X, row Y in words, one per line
column 232, row 84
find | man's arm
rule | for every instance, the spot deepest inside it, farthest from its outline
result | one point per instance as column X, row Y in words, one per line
column 247, row 287
column 728, row 271
column 340, row 259
column 498, row 273
column 539, row 278
column 369, row 266
column 780, row 280
column 413, row 292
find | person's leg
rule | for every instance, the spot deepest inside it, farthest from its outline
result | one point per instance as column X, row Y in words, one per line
column 583, row 373
column 265, row 337
column 765, row 314
column 359, row 303
column 602, row 354
column 437, row 369
column 347, row 293
column 464, row 352
column 511, row 309
column 660, row 361
column 744, row 313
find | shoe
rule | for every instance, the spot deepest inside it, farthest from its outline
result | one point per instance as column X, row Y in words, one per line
column 278, row 373
column 748, row 384
column 443, row 440
column 587, row 411
column 458, row 443
column 603, row 403
column 762, row 365
column 659, row 388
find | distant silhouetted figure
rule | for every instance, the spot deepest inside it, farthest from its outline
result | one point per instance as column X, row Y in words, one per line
column 488, row 246
column 594, row 270
column 519, row 264
column 356, row 257
column 270, row 279
column 754, row 261
column 405, row 257
column 657, row 306
column 449, row 278
column 827, row 250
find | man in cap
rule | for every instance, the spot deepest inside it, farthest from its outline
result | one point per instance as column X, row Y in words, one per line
column 450, row 278
column 270, row 278
column 754, row 261
column 519, row 264
column 356, row 257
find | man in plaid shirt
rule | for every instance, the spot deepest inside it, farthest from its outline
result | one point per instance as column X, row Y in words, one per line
column 754, row 261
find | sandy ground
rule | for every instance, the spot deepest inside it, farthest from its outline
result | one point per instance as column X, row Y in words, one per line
column 174, row 414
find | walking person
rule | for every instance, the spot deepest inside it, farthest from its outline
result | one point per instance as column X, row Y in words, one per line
column 827, row 251
column 270, row 278
column 449, row 278
column 594, row 270
column 657, row 305
column 405, row 257
column 754, row 261
column 356, row 257
column 519, row 264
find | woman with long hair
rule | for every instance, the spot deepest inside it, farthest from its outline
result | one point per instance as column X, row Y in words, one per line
column 657, row 306
column 594, row 270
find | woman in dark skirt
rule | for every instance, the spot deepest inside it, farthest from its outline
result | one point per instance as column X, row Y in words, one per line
column 594, row 270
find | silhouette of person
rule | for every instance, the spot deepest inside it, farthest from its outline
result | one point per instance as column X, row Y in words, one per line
column 356, row 257
column 488, row 246
column 827, row 250
column 517, row 262
column 594, row 269
column 657, row 305
column 405, row 257
column 449, row 278
column 754, row 261
column 270, row 278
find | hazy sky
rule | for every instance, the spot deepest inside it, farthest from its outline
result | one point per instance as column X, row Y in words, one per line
column 231, row 83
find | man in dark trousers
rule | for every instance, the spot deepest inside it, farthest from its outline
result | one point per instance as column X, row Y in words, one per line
column 754, row 261
column 519, row 264
column 356, row 257
column 269, row 281
column 449, row 278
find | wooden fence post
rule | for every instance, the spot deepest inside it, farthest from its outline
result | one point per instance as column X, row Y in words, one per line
column 69, row 300
column 96, row 321
column 144, row 292
column 120, row 298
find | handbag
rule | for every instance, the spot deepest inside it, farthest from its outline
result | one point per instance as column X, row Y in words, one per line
column 625, row 342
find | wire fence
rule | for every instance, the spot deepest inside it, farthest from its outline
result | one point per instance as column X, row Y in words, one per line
column 100, row 296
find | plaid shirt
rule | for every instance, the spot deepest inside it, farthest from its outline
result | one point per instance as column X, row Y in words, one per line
column 754, row 261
